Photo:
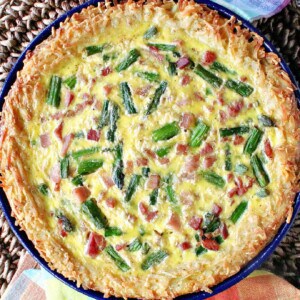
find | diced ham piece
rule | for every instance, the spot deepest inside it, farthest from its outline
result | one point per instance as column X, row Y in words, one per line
column 45, row 140
column 67, row 140
column 150, row 153
column 96, row 243
column 216, row 210
column 187, row 198
column 153, row 182
column 107, row 89
column 221, row 99
column 93, row 135
column 174, row 222
column 106, row 71
column 223, row 116
column 232, row 192
column 151, row 215
column 235, row 108
column 120, row 247
column 188, row 120
column 211, row 244
column 55, row 173
column 111, row 202
column 207, row 149
column 69, row 97
column 229, row 177
column 58, row 130
column 182, row 149
column 198, row 96
column 182, row 62
column 81, row 193
column 208, row 162
column 129, row 167
column 107, row 180
column 209, row 57
column 143, row 91
column 192, row 163
column 268, row 149
column 154, row 52
column 142, row 161
column 185, row 246
column 163, row 160
column 144, row 209
column 224, row 231
column 183, row 102
column 195, row 222
column 185, row 80
column 238, row 139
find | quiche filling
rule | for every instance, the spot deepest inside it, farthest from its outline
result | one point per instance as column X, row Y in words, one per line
column 154, row 149
column 149, row 150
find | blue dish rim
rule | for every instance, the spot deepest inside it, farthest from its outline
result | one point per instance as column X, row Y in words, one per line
column 27, row 244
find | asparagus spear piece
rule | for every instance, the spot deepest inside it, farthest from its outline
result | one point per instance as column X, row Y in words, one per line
column 200, row 250
column 228, row 163
column 259, row 171
column 90, row 50
column 152, row 31
column 117, row 174
column 70, row 82
column 253, row 141
column 237, row 213
column 127, row 98
column 86, row 167
column 156, row 98
column 64, row 167
column 153, row 259
column 150, row 76
column 233, row 130
column 43, row 189
column 133, row 184
column 93, row 212
column 208, row 76
column 213, row 178
column 113, row 118
column 83, row 152
column 135, row 245
column 166, row 132
column 104, row 118
column 171, row 194
column 239, row 87
column 53, row 97
column 266, row 121
column 163, row 47
column 198, row 134
column 112, row 231
column 119, row 261
column 240, row 169
column 132, row 57
column 77, row 180
column 153, row 197
column 216, row 66
column 145, row 171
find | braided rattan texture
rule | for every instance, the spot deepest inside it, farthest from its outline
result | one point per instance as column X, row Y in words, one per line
column 22, row 20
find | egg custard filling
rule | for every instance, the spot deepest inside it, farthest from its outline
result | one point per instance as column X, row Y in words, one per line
column 149, row 150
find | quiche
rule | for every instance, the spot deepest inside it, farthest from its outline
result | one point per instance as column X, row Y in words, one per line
column 149, row 150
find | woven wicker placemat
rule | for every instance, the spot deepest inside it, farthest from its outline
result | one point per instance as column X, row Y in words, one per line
column 22, row 20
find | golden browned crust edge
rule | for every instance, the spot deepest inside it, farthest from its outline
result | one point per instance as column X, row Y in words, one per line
column 29, row 215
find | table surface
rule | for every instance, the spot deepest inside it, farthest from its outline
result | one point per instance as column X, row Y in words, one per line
column 22, row 20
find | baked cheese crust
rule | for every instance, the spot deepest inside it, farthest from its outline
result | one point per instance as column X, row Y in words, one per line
column 149, row 150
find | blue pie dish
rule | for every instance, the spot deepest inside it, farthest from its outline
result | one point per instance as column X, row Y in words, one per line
column 28, row 245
